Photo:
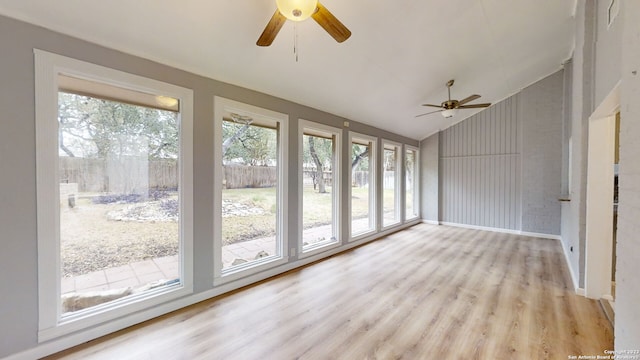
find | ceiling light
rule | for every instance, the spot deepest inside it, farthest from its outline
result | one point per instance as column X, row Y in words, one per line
column 297, row 10
column 449, row 112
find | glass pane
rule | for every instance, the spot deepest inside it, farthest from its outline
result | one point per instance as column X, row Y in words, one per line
column 410, row 185
column 361, row 189
column 317, row 196
column 119, row 200
column 389, row 199
column 249, row 193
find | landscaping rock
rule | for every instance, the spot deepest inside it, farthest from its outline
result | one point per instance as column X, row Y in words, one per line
column 78, row 301
column 261, row 254
column 238, row 262
column 231, row 208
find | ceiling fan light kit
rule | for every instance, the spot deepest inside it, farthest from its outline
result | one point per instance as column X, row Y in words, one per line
column 299, row 10
column 449, row 108
column 449, row 113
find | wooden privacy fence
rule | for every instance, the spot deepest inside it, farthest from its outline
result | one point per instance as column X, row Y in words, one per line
column 135, row 175
column 125, row 175
column 238, row 176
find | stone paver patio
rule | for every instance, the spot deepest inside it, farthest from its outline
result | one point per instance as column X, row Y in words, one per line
column 141, row 273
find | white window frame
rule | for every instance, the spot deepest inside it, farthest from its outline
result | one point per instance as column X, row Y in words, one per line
column 51, row 324
column 372, row 185
column 335, row 187
column 416, row 182
column 399, row 176
column 221, row 107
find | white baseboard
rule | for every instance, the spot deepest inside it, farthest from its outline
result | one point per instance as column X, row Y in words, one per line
column 430, row 222
column 574, row 279
column 506, row 231
column 541, row 235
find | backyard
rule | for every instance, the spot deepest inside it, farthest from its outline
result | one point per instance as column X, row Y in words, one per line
column 99, row 234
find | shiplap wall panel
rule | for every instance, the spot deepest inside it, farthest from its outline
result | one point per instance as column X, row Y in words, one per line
column 481, row 165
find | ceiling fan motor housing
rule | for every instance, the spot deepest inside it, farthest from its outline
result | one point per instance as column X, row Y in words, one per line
column 450, row 104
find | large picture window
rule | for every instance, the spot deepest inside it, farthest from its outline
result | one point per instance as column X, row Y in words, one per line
column 319, row 181
column 114, row 192
column 391, row 183
column 363, row 185
column 251, row 187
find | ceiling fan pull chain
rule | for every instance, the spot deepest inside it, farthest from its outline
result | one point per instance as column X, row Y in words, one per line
column 295, row 40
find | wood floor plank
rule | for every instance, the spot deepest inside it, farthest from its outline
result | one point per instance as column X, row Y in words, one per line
column 426, row 292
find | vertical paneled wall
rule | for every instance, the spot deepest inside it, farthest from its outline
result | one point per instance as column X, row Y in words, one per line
column 480, row 162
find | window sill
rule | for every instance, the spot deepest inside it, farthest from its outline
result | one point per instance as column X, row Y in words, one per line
column 110, row 311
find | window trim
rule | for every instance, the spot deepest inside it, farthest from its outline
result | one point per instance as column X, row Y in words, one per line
column 47, row 68
column 399, row 176
column 221, row 106
column 416, row 182
column 336, row 190
column 373, row 152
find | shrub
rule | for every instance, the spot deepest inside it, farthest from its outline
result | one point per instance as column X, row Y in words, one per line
column 117, row 198
column 154, row 194
column 170, row 207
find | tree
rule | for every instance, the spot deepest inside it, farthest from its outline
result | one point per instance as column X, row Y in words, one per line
column 250, row 144
column 98, row 128
column 360, row 161
column 318, row 151
column 230, row 139
column 360, row 153
column 319, row 168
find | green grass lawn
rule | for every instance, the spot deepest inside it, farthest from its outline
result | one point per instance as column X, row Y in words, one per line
column 316, row 210
column 242, row 228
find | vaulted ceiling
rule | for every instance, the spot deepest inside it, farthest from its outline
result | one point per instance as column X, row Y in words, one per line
column 400, row 55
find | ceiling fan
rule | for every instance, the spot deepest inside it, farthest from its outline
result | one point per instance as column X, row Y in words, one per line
column 298, row 10
column 450, row 107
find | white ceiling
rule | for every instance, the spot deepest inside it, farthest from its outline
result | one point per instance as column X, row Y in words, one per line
column 400, row 55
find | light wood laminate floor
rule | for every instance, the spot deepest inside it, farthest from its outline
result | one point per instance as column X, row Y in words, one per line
column 429, row 292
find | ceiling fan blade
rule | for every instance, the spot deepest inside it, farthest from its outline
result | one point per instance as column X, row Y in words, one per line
column 470, row 98
column 272, row 29
column 431, row 112
column 438, row 106
column 474, row 106
column 331, row 24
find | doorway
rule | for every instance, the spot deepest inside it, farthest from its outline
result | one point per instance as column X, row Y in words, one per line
column 600, row 214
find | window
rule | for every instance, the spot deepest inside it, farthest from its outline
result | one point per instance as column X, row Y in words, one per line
column 319, row 183
column 390, row 184
column 363, row 185
column 411, row 182
column 250, row 197
column 114, row 193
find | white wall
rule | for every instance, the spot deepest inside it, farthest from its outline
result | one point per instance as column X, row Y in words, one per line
column 599, row 231
column 627, row 331
column 603, row 56
column 582, row 93
column 608, row 50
